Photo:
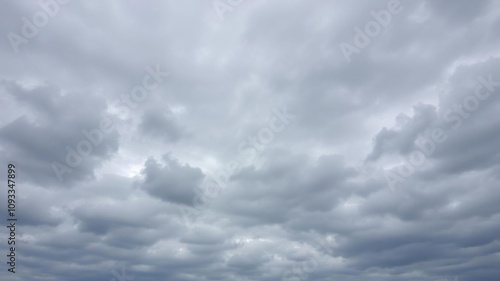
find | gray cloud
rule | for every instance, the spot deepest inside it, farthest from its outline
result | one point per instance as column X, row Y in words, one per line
column 171, row 181
column 58, row 122
column 160, row 125
column 314, row 203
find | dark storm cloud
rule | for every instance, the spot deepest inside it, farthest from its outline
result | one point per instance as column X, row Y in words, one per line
column 171, row 181
column 58, row 121
column 403, row 140
column 296, row 184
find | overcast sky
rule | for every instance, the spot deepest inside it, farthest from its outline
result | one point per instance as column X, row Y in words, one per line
column 252, row 140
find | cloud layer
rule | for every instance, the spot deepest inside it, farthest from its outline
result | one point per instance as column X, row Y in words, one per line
column 237, row 140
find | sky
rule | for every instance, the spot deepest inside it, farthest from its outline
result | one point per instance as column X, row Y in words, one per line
column 251, row 140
